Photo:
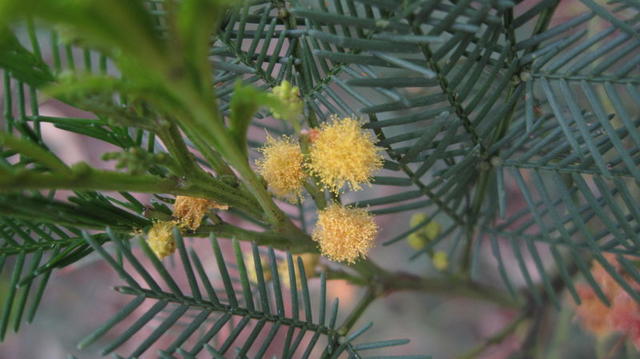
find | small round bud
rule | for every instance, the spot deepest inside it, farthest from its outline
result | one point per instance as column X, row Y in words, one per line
column 289, row 95
column 440, row 260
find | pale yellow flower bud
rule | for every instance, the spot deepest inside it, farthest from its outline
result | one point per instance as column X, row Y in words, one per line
column 440, row 260
column 290, row 96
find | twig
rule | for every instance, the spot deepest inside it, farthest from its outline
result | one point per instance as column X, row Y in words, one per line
column 496, row 338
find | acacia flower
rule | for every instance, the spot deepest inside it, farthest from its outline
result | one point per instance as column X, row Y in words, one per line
column 419, row 239
column 189, row 211
column 160, row 238
column 440, row 260
column 344, row 234
column 343, row 152
column 289, row 95
column 282, row 166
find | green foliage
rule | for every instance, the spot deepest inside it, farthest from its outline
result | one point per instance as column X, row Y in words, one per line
column 256, row 308
column 477, row 104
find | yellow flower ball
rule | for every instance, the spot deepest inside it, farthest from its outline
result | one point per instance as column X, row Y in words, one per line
column 344, row 234
column 189, row 211
column 419, row 239
column 282, row 166
column 440, row 260
column 160, row 239
column 343, row 153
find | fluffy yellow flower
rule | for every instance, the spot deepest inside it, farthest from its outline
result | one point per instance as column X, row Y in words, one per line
column 189, row 211
column 418, row 239
column 343, row 152
column 160, row 238
column 440, row 260
column 282, row 166
column 309, row 261
column 290, row 96
column 344, row 234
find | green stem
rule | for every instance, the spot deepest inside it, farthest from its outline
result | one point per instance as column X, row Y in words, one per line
column 209, row 154
column 207, row 125
column 368, row 298
column 389, row 282
column 30, row 149
column 449, row 287
column 498, row 338
column 317, row 195
column 294, row 244
column 170, row 135
column 87, row 178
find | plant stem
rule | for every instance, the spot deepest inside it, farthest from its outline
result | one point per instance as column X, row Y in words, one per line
column 275, row 240
column 368, row 298
column 496, row 338
column 207, row 125
column 447, row 286
column 87, row 178
column 389, row 282
column 170, row 136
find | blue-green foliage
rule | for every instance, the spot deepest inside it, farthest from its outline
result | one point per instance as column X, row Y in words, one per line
column 476, row 103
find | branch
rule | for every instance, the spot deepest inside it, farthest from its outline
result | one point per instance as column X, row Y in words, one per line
column 84, row 177
column 293, row 244
column 386, row 282
column 497, row 338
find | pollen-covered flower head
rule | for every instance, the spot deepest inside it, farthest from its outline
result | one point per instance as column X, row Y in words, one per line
column 343, row 152
column 160, row 238
column 282, row 166
column 189, row 211
column 344, row 234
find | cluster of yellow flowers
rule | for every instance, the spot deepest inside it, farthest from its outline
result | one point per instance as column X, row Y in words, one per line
column 419, row 239
column 187, row 213
column 340, row 153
